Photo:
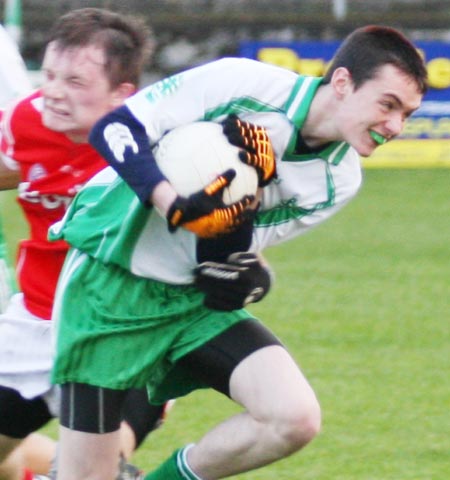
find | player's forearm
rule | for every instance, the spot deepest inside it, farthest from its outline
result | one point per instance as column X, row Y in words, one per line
column 163, row 196
column 123, row 143
column 9, row 179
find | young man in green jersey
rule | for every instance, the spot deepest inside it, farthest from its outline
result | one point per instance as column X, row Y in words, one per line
column 150, row 275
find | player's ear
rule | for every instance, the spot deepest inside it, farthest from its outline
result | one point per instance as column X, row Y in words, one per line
column 342, row 82
column 123, row 91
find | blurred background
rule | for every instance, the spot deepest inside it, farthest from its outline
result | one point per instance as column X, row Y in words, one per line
column 190, row 32
column 364, row 304
column 298, row 34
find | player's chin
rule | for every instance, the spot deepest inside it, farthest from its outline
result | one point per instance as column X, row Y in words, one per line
column 366, row 149
column 55, row 122
column 366, row 153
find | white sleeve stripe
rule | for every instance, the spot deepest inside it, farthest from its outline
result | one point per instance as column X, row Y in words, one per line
column 10, row 163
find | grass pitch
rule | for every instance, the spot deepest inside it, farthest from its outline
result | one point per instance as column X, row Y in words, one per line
column 362, row 303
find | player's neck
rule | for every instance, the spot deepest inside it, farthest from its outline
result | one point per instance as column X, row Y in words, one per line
column 319, row 127
column 77, row 137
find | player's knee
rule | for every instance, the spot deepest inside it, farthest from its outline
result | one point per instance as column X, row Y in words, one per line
column 298, row 426
column 305, row 424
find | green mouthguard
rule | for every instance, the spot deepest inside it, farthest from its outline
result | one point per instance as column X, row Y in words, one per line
column 378, row 138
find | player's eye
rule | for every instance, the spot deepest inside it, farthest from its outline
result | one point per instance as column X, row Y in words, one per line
column 75, row 81
column 387, row 106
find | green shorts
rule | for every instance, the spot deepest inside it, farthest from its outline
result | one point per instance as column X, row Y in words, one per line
column 120, row 331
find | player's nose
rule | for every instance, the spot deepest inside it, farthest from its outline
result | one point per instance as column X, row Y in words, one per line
column 395, row 124
column 53, row 89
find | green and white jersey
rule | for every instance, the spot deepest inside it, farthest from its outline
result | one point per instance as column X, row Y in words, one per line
column 107, row 221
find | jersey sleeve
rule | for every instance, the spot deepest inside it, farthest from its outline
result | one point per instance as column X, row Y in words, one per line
column 7, row 138
column 122, row 141
column 210, row 92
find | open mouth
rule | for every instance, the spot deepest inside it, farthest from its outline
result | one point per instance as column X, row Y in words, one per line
column 59, row 113
column 53, row 110
column 377, row 138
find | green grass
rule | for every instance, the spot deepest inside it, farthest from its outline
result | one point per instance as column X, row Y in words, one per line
column 362, row 303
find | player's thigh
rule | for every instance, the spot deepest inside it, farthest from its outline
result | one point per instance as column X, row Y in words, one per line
column 250, row 365
column 91, row 409
column 269, row 384
column 214, row 362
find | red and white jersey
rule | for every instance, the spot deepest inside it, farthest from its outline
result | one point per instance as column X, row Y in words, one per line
column 52, row 170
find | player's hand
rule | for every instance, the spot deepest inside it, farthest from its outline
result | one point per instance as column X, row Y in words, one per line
column 256, row 147
column 243, row 279
column 204, row 212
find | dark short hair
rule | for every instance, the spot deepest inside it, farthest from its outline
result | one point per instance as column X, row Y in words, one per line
column 369, row 48
column 126, row 40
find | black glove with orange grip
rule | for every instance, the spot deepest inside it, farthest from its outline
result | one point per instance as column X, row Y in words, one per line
column 204, row 212
column 232, row 285
column 256, row 147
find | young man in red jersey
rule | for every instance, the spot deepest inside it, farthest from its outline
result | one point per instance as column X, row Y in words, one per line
column 92, row 62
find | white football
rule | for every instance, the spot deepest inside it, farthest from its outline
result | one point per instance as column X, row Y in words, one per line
column 192, row 156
